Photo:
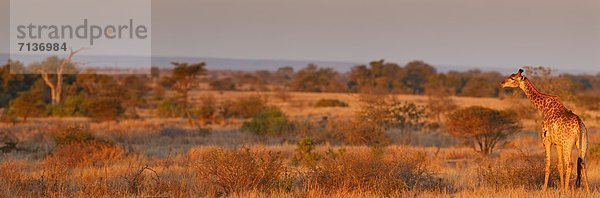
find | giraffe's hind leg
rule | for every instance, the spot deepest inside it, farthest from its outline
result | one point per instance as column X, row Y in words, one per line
column 548, row 147
column 559, row 152
column 584, row 175
column 569, row 165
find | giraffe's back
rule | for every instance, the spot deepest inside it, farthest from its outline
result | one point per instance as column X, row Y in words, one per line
column 563, row 126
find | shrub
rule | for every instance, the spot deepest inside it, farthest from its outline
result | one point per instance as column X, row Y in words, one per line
column 12, row 175
column 331, row 103
column 234, row 171
column 270, row 121
column 72, row 106
column 104, row 108
column 247, row 107
column 521, row 170
column 305, row 153
column 482, row 128
column 78, row 147
column 76, row 134
column 387, row 112
column 27, row 104
column 369, row 172
column 363, row 132
column 169, row 109
column 207, row 109
column 406, row 116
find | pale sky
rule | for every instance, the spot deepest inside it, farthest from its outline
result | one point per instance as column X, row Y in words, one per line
column 478, row 33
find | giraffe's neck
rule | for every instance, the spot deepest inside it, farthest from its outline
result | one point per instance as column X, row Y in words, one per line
column 543, row 102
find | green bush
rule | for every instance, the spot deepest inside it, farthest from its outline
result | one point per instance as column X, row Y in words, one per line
column 72, row 106
column 270, row 121
column 331, row 103
column 305, row 153
column 169, row 109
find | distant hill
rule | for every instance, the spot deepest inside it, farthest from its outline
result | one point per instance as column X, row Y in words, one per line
column 138, row 62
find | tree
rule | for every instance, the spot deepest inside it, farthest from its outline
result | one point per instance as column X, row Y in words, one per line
column 27, row 104
column 482, row 128
column 135, row 89
column 49, row 67
column 183, row 77
column 13, row 81
column 378, row 77
column 561, row 85
column 416, row 76
column 315, row 79
column 481, row 84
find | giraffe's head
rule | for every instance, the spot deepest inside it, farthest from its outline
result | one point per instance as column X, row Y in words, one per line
column 514, row 80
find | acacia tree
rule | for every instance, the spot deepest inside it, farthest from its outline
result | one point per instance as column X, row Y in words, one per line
column 482, row 128
column 183, row 78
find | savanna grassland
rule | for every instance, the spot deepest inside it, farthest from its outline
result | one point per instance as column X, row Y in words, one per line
column 150, row 156
column 379, row 130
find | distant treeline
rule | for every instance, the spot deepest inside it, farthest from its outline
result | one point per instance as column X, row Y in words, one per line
column 416, row 77
column 27, row 94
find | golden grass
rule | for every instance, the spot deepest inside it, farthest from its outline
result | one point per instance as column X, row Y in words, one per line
column 148, row 162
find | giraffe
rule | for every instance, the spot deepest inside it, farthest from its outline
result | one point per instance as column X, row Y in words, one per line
column 560, row 127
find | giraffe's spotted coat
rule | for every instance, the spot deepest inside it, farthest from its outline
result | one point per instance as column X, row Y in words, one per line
column 560, row 127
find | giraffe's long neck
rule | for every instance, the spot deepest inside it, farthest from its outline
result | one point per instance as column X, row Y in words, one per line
column 541, row 101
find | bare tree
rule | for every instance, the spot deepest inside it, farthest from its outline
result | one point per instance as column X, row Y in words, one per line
column 56, row 87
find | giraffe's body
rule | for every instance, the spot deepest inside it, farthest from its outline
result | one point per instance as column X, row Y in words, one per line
column 560, row 127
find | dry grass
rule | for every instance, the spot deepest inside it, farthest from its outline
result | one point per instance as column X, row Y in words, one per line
column 164, row 157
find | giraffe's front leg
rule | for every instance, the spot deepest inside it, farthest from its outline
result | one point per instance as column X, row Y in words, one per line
column 548, row 147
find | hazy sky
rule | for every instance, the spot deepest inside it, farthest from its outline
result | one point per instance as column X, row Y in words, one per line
column 478, row 33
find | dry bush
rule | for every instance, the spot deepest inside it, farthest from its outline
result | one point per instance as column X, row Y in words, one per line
column 234, row 171
column 361, row 132
column 207, row 110
column 12, row 178
column 482, row 128
column 85, row 154
column 372, row 172
column 246, row 107
column 137, row 177
column 78, row 147
column 519, row 170
column 331, row 103
column 305, row 153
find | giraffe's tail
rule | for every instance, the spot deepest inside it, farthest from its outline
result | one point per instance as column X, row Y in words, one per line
column 582, row 143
